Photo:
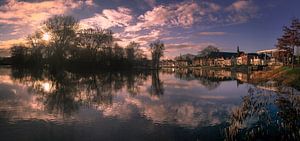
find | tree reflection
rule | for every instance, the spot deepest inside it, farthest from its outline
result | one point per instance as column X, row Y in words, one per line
column 157, row 85
column 63, row 92
column 266, row 114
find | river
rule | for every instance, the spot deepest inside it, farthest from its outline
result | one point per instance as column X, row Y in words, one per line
column 171, row 104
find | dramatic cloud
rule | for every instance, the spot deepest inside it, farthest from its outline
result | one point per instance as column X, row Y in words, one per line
column 110, row 18
column 27, row 13
column 187, row 14
column 18, row 18
column 161, row 21
column 182, row 14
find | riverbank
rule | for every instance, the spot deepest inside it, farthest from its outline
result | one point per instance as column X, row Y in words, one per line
column 285, row 75
column 243, row 68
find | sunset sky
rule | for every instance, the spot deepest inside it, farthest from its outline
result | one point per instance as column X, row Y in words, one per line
column 184, row 26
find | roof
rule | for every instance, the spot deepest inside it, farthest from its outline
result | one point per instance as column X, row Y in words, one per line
column 185, row 57
column 270, row 50
column 261, row 56
column 222, row 54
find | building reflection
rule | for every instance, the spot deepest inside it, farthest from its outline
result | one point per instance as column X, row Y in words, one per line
column 211, row 78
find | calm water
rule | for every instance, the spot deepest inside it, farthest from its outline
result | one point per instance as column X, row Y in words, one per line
column 165, row 105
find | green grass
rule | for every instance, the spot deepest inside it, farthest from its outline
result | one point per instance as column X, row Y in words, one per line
column 291, row 76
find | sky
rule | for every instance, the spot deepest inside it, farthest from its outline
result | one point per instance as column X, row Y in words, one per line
column 185, row 26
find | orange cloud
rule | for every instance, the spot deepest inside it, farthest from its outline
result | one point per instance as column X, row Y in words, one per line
column 20, row 18
column 21, row 13
column 5, row 45
column 8, row 43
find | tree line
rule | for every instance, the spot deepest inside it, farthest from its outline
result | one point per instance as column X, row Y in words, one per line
column 61, row 43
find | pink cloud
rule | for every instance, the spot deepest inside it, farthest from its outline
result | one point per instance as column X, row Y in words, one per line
column 110, row 18
column 27, row 13
column 171, row 15
column 20, row 18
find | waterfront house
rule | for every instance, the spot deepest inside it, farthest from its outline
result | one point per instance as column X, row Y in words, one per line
column 199, row 61
column 275, row 57
column 251, row 59
column 184, row 60
column 167, row 63
column 216, row 59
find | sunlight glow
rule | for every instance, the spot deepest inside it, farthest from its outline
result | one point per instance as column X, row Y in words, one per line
column 46, row 37
column 46, row 87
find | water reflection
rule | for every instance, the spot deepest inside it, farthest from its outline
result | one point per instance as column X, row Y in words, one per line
column 224, row 101
column 157, row 85
column 62, row 94
column 266, row 115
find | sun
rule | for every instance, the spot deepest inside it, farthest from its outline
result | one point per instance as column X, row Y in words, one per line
column 46, row 86
column 46, row 36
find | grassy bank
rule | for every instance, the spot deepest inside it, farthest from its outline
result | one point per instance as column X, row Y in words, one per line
column 291, row 77
column 284, row 75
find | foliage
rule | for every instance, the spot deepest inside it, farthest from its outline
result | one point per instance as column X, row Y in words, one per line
column 69, row 46
column 157, row 51
column 290, row 38
column 206, row 51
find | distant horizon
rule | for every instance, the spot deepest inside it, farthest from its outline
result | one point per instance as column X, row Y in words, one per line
column 185, row 26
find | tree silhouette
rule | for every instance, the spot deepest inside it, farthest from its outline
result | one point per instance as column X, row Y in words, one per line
column 157, row 51
column 206, row 51
column 67, row 46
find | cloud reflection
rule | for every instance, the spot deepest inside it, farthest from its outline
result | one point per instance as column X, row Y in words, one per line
column 123, row 96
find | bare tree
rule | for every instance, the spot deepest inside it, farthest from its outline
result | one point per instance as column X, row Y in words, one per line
column 63, row 34
column 206, row 51
column 157, row 51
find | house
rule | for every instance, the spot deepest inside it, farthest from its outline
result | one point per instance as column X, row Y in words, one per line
column 274, row 57
column 167, row 63
column 184, row 60
column 251, row 59
column 257, row 59
column 199, row 61
column 218, row 59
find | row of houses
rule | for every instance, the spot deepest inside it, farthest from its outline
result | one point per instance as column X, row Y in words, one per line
column 224, row 59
